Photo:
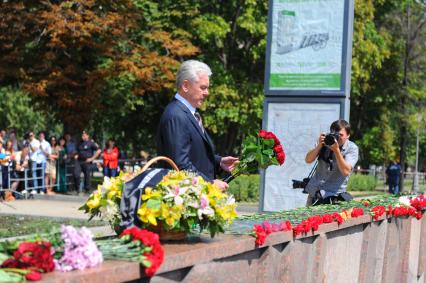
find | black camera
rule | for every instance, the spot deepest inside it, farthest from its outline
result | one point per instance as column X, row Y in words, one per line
column 330, row 137
column 297, row 184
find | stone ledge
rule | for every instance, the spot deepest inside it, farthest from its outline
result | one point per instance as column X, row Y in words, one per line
column 195, row 251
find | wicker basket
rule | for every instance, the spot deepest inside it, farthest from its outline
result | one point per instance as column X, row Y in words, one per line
column 159, row 229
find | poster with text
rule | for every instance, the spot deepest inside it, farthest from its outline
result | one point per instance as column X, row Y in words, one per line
column 298, row 126
column 306, row 45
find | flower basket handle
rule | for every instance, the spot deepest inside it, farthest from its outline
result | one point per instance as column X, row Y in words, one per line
column 158, row 158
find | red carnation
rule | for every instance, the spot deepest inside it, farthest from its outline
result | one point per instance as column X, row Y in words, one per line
column 378, row 211
column 149, row 239
column 33, row 276
column 262, row 133
column 276, row 227
column 389, row 211
column 10, row 263
column 267, row 227
column 357, row 211
column 35, row 256
column 338, row 218
column 260, row 234
column 285, row 226
column 327, row 218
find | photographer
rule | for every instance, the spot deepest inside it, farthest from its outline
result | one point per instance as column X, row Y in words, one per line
column 337, row 157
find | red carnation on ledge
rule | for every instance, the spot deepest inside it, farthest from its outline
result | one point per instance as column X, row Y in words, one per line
column 259, row 152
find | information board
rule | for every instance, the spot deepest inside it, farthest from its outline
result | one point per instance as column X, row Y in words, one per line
column 298, row 126
column 307, row 43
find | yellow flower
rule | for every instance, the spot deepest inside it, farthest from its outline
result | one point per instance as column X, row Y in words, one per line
column 95, row 201
column 228, row 212
column 111, row 194
column 214, row 194
column 171, row 214
column 148, row 215
column 346, row 214
column 150, row 194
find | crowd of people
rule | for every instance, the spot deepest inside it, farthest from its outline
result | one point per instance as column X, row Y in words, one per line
column 39, row 165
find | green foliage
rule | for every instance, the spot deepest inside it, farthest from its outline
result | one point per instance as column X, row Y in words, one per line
column 21, row 113
column 245, row 188
column 359, row 182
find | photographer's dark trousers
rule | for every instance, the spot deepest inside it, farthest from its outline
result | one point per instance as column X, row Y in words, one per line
column 86, row 168
column 318, row 199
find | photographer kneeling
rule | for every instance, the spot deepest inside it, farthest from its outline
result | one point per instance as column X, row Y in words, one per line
column 337, row 157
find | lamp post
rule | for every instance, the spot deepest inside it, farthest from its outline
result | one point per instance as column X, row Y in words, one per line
column 416, row 173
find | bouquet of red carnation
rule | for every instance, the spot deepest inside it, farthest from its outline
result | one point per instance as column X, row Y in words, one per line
column 29, row 260
column 135, row 244
column 258, row 152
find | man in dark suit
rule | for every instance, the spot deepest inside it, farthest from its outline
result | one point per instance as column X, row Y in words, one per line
column 181, row 135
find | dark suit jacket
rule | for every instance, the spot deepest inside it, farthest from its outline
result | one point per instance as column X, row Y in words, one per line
column 180, row 138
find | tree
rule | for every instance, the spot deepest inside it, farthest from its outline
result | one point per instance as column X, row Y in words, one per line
column 406, row 23
column 65, row 53
column 19, row 112
column 231, row 36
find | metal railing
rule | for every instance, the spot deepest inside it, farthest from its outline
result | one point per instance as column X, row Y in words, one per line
column 31, row 182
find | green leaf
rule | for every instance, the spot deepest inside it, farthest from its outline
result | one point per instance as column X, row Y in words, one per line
column 153, row 204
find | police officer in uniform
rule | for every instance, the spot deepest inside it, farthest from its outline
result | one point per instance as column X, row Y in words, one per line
column 87, row 151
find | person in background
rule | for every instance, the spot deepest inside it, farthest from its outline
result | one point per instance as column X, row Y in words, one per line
column 110, row 156
column 7, row 164
column 62, row 170
column 34, row 146
column 70, row 146
column 21, row 163
column 43, row 155
column 3, row 137
column 2, row 161
column 15, row 143
column 51, row 166
column 87, row 151
column 393, row 172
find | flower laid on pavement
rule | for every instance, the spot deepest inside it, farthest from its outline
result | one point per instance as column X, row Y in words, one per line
column 135, row 244
column 391, row 207
column 28, row 260
column 79, row 250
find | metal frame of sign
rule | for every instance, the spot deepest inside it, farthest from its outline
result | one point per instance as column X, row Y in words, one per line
column 341, row 101
column 346, row 59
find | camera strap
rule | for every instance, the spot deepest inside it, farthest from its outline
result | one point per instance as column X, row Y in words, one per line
column 313, row 170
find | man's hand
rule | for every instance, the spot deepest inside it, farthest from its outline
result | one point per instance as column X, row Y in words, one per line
column 313, row 153
column 221, row 184
column 321, row 140
column 335, row 146
column 228, row 163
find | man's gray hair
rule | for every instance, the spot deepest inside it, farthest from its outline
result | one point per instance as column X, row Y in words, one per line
column 190, row 70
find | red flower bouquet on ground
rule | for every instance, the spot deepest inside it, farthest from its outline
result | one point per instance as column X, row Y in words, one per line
column 259, row 152
column 135, row 244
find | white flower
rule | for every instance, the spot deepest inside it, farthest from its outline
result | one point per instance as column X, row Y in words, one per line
column 176, row 192
column 106, row 185
column 110, row 211
column 204, row 208
column 230, row 200
column 404, row 200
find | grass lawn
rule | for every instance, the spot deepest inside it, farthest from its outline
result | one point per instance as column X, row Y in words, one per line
column 19, row 225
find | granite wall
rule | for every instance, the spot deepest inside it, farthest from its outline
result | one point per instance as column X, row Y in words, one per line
column 359, row 250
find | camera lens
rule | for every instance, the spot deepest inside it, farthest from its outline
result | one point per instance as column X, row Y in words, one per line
column 329, row 138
